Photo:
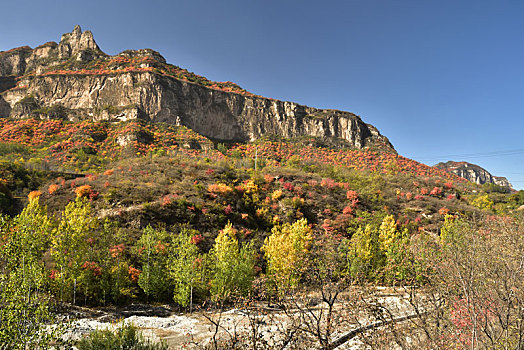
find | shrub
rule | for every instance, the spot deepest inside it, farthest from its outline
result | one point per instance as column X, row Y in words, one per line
column 276, row 195
column 219, row 189
column 53, row 188
column 482, row 202
column 124, row 337
column 34, row 195
column 83, row 191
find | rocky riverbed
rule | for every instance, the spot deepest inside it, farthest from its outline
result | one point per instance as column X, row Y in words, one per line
column 196, row 330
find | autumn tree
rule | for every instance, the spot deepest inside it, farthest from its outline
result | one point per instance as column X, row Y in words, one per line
column 471, row 295
column 285, row 251
column 232, row 265
column 70, row 247
column 380, row 252
column 364, row 257
column 394, row 248
column 25, row 306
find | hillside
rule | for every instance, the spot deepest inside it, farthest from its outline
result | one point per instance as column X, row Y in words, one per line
column 80, row 148
column 75, row 80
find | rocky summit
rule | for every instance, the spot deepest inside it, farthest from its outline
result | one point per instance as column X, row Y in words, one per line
column 75, row 80
column 473, row 173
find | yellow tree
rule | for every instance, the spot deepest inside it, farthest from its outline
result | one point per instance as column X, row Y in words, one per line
column 233, row 265
column 70, row 243
column 29, row 237
column 387, row 232
column 365, row 251
column 25, row 308
column 394, row 248
column 285, row 250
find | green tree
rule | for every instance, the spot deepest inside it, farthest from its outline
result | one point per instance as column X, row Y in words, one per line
column 26, row 240
column 25, row 312
column 153, row 252
column 185, row 267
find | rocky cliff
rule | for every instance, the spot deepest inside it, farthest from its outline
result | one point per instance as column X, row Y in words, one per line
column 74, row 79
column 473, row 173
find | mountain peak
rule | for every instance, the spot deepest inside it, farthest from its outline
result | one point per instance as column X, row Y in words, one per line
column 77, row 30
column 76, row 42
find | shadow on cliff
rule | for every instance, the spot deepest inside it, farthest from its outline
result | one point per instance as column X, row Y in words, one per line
column 6, row 83
column 5, row 108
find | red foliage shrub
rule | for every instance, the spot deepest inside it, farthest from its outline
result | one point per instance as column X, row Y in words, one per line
column 328, row 183
column 117, row 250
column 133, row 273
column 289, row 186
column 347, row 210
column 52, row 188
column 91, row 265
column 33, row 195
column 196, row 239
column 351, row 195
column 436, row 191
column 83, row 191
column 443, row 211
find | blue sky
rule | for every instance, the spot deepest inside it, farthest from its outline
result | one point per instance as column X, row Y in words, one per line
column 443, row 80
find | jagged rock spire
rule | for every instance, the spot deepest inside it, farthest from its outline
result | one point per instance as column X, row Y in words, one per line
column 75, row 42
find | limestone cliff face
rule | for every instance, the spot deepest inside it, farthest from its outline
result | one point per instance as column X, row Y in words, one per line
column 14, row 62
column 502, row 181
column 473, row 173
column 122, row 95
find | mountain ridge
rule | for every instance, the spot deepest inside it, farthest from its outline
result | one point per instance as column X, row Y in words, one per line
column 83, row 82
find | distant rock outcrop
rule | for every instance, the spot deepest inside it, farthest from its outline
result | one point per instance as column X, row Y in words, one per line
column 473, row 173
column 84, row 82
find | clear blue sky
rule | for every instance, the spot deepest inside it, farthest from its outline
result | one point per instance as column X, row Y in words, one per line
column 444, row 80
